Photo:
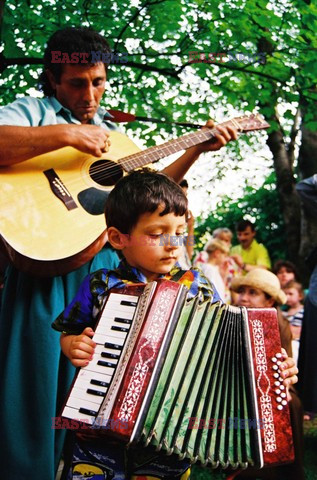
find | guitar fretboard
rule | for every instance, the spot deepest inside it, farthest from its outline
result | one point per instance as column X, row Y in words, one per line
column 155, row 153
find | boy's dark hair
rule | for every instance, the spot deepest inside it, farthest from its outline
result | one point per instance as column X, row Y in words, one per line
column 183, row 183
column 70, row 40
column 140, row 192
column 243, row 225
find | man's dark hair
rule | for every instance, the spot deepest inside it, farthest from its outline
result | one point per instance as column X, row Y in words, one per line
column 140, row 192
column 244, row 224
column 70, row 40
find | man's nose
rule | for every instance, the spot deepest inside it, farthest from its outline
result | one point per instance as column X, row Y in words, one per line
column 89, row 93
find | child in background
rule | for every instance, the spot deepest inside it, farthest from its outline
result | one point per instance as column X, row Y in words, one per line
column 285, row 271
column 295, row 312
column 217, row 251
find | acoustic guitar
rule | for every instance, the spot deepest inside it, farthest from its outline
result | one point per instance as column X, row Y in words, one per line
column 51, row 206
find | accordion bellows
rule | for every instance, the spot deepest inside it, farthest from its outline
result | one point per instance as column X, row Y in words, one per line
column 195, row 379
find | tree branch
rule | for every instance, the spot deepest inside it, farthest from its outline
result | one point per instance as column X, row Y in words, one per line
column 293, row 135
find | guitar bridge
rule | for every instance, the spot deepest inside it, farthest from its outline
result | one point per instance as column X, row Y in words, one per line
column 59, row 189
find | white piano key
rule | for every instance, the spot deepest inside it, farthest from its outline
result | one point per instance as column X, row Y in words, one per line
column 101, row 340
column 105, row 369
column 108, row 332
column 85, row 378
column 73, row 413
column 86, row 397
column 118, row 297
column 78, row 403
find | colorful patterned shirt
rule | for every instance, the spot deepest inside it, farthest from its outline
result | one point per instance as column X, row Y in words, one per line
column 83, row 311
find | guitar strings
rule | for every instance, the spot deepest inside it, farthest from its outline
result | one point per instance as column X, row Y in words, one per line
column 107, row 170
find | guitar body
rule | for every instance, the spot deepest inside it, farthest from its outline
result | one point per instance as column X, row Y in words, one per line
column 52, row 206
column 53, row 222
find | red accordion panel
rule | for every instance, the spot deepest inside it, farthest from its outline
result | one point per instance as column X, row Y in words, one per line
column 273, row 407
column 136, row 380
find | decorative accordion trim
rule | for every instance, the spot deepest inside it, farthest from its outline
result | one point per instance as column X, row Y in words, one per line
column 139, row 375
column 265, row 399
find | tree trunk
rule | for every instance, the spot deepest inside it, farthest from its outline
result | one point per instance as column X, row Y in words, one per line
column 289, row 199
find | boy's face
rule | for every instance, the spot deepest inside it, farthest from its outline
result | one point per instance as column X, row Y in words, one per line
column 155, row 243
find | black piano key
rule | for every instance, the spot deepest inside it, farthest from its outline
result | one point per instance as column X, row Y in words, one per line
column 114, row 356
column 119, row 329
column 106, row 364
column 99, row 383
column 87, row 411
column 98, row 393
column 122, row 320
column 128, row 303
column 114, row 346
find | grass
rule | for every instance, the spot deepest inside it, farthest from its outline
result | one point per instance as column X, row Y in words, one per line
column 310, row 437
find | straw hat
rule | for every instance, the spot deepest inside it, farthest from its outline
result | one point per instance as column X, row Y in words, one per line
column 263, row 280
column 217, row 244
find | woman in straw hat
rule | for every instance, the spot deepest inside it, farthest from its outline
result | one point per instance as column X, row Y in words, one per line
column 260, row 288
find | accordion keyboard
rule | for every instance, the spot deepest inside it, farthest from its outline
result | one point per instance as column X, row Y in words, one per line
column 93, row 381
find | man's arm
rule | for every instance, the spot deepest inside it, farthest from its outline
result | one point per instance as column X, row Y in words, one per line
column 21, row 143
column 178, row 169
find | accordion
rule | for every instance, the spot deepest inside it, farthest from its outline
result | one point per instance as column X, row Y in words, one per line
column 186, row 377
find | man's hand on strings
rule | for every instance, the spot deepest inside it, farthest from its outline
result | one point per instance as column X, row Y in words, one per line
column 222, row 137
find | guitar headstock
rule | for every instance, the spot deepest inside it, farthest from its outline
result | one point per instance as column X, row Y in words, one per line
column 248, row 123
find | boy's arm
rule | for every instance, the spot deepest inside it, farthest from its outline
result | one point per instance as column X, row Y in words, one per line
column 78, row 348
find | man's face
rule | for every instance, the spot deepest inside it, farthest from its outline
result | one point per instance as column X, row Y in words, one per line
column 80, row 89
column 245, row 237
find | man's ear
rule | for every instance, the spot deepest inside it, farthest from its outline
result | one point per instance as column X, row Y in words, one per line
column 117, row 239
column 51, row 78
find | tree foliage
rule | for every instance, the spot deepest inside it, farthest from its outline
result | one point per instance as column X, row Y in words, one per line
column 257, row 205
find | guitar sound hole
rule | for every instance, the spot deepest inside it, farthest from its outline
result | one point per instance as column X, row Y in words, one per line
column 105, row 172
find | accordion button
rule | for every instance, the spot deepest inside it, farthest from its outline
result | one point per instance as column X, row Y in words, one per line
column 283, row 395
column 278, row 399
column 284, row 402
column 274, row 359
column 277, row 391
column 282, row 387
column 278, row 355
column 279, row 407
column 275, row 367
column 277, row 383
column 276, row 375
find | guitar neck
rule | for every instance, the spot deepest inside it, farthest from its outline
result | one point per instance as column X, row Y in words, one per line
column 153, row 154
